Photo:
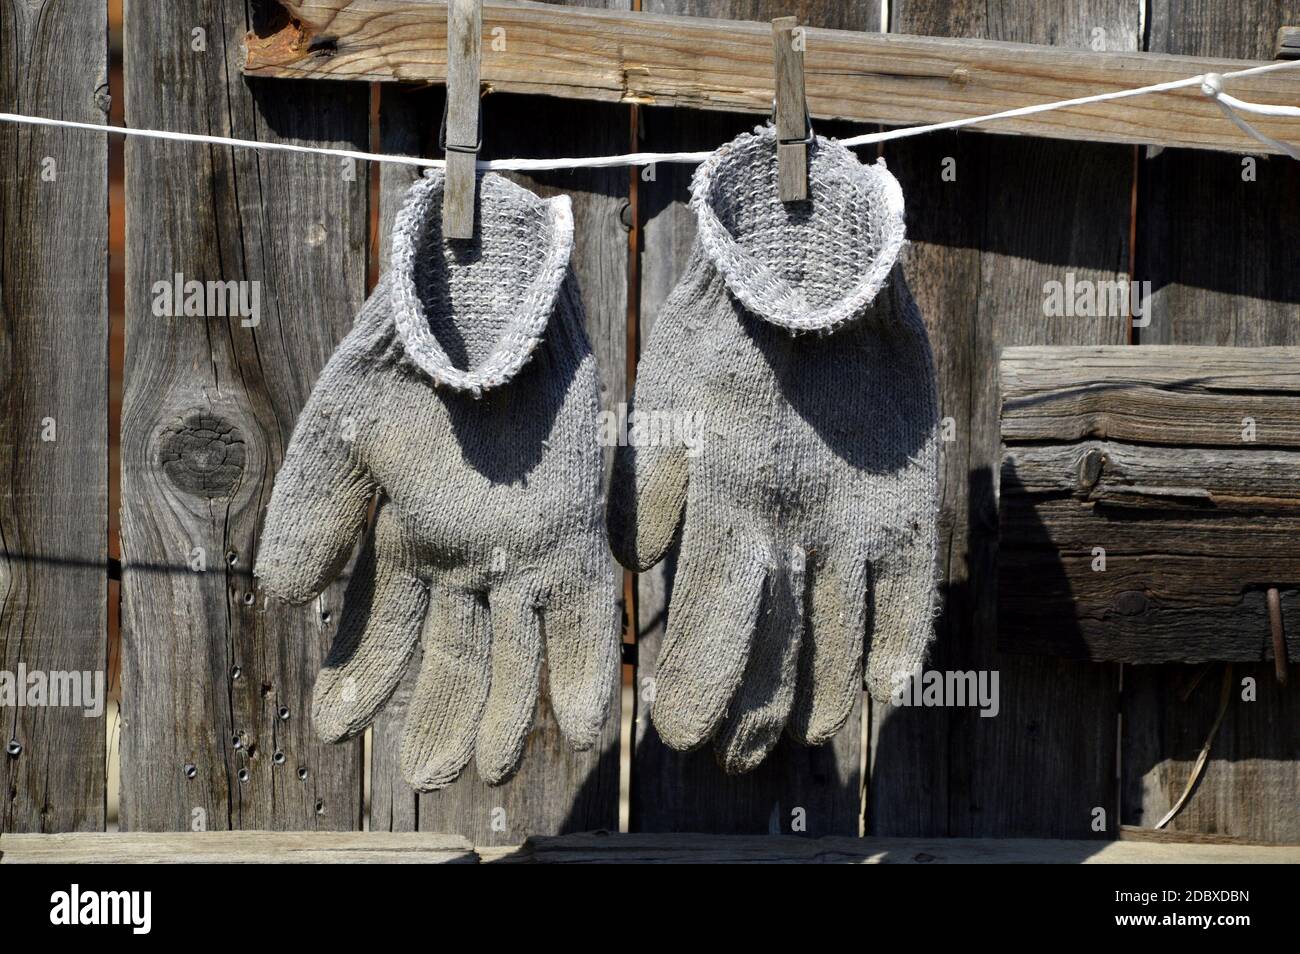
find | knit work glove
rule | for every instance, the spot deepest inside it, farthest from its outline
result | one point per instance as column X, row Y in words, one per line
column 467, row 397
column 806, row 508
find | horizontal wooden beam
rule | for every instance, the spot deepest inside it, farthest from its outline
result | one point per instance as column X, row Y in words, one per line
column 1157, row 394
column 236, row 847
column 891, row 79
column 386, row 847
column 706, row 849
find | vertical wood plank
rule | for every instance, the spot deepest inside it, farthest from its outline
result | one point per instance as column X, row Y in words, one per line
column 1019, row 213
column 407, row 126
column 556, row 789
column 216, row 683
column 53, row 408
column 1219, row 249
column 672, row 791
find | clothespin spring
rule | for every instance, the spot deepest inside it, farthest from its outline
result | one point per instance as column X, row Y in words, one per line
column 444, row 146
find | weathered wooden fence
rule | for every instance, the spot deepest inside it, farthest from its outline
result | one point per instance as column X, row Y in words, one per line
column 215, row 684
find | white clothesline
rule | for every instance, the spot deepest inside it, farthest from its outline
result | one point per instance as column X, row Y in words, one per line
column 1211, row 85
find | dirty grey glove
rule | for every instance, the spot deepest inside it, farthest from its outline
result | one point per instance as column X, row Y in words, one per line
column 466, row 396
column 806, row 499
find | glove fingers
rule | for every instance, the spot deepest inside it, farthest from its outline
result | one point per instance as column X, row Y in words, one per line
column 762, row 704
column 711, row 622
column 443, row 714
column 830, row 660
column 647, row 494
column 512, row 700
column 379, row 627
column 903, row 594
column 582, row 624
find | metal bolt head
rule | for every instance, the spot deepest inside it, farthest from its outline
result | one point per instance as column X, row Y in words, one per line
column 277, row 757
column 302, row 773
column 14, row 748
column 243, row 775
column 284, row 713
column 191, row 770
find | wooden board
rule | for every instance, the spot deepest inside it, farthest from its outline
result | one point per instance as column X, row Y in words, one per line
column 406, row 127
column 556, row 789
column 673, row 792
column 1121, row 474
column 1142, row 452
column 722, row 849
column 217, row 682
column 1167, row 395
column 263, row 847
column 237, row 847
column 1215, row 249
column 982, row 247
column 53, row 408
column 727, row 65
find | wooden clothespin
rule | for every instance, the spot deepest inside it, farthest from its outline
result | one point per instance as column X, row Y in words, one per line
column 461, row 135
column 790, row 106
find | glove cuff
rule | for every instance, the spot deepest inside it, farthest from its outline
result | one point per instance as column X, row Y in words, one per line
column 805, row 266
column 504, row 282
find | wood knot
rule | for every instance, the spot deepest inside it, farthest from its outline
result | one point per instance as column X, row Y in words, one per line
column 1131, row 603
column 203, row 454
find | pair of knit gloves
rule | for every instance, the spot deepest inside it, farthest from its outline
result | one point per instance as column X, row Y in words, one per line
column 466, row 401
